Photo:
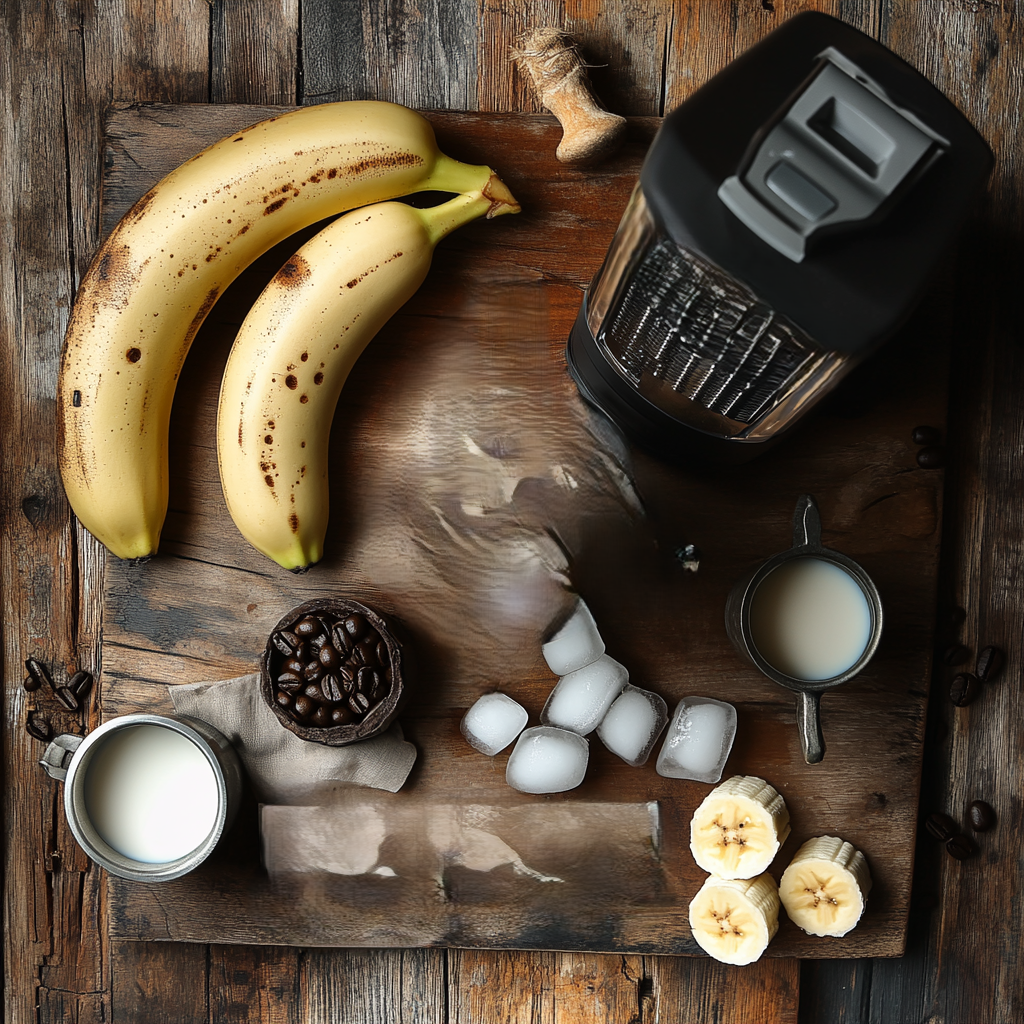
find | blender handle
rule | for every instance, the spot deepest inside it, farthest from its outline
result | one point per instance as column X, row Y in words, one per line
column 806, row 523
column 808, row 724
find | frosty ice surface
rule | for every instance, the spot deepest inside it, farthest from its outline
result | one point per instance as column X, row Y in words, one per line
column 581, row 698
column 547, row 760
column 633, row 724
column 493, row 722
column 698, row 740
column 576, row 644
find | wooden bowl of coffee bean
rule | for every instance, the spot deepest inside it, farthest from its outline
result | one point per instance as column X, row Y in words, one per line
column 335, row 671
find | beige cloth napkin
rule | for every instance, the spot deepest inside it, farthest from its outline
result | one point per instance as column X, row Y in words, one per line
column 281, row 767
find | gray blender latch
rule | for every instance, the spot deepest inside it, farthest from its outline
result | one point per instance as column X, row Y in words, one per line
column 834, row 158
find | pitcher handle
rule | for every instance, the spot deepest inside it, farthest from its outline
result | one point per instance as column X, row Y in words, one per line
column 808, row 723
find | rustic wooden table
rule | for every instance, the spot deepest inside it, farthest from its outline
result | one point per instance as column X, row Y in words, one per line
column 65, row 64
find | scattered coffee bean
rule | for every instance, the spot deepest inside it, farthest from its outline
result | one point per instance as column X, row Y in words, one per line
column 941, row 826
column 38, row 673
column 959, row 846
column 31, row 684
column 38, row 728
column 990, row 663
column 67, row 697
column 932, row 457
column 926, row 435
column 964, row 688
column 955, row 654
column 980, row 815
column 80, row 683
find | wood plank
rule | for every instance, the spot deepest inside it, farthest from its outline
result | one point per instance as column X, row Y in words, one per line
column 154, row 982
column 253, row 52
column 545, row 261
column 255, row 985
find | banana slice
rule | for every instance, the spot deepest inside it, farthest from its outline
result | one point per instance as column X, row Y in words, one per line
column 738, row 829
column 734, row 919
column 826, row 886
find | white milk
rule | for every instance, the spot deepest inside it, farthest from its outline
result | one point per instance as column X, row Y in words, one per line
column 810, row 619
column 151, row 793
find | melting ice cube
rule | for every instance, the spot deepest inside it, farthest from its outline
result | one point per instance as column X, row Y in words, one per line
column 576, row 644
column 547, row 760
column 633, row 724
column 698, row 741
column 493, row 722
column 581, row 698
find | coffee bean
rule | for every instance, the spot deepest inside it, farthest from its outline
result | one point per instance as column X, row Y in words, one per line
column 980, row 815
column 348, row 681
column 341, row 638
column 313, row 692
column 294, row 665
column 990, row 663
column 290, row 638
column 332, row 691
column 356, row 707
column 932, row 457
column 355, row 625
column 362, row 700
column 80, row 683
column 341, row 716
column 955, row 654
column 960, row 847
column 383, row 658
column 290, row 685
column 964, row 689
column 67, row 697
column 303, row 706
column 38, row 728
column 329, row 657
column 926, row 435
column 289, row 678
column 941, row 826
column 31, row 684
column 318, row 642
column 377, row 688
column 322, row 716
column 283, row 699
column 307, row 627
column 313, row 670
column 282, row 645
column 38, row 673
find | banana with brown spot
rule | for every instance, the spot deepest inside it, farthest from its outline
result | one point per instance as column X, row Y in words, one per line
column 157, row 276
column 294, row 352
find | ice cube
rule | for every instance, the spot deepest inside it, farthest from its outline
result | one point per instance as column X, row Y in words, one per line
column 633, row 724
column 576, row 644
column 493, row 722
column 581, row 698
column 698, row 741
column 547, row 760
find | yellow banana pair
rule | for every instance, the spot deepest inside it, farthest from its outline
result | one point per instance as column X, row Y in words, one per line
column 159, row 273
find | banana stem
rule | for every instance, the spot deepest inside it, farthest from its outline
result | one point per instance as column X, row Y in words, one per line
column 451, row 175
column 439, row 221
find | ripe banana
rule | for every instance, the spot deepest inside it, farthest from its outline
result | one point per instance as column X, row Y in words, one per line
column 825, row 887
column 156, row 277
column 295, row 350
column 739, row 827
column 733, row 920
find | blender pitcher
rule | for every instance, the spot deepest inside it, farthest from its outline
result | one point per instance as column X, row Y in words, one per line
column 787, row 219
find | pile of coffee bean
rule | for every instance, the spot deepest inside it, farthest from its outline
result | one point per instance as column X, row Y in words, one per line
column 328, row 671
column 70, row 695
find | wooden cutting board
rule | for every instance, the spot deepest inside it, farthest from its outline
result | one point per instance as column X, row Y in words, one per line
column 463, row 465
